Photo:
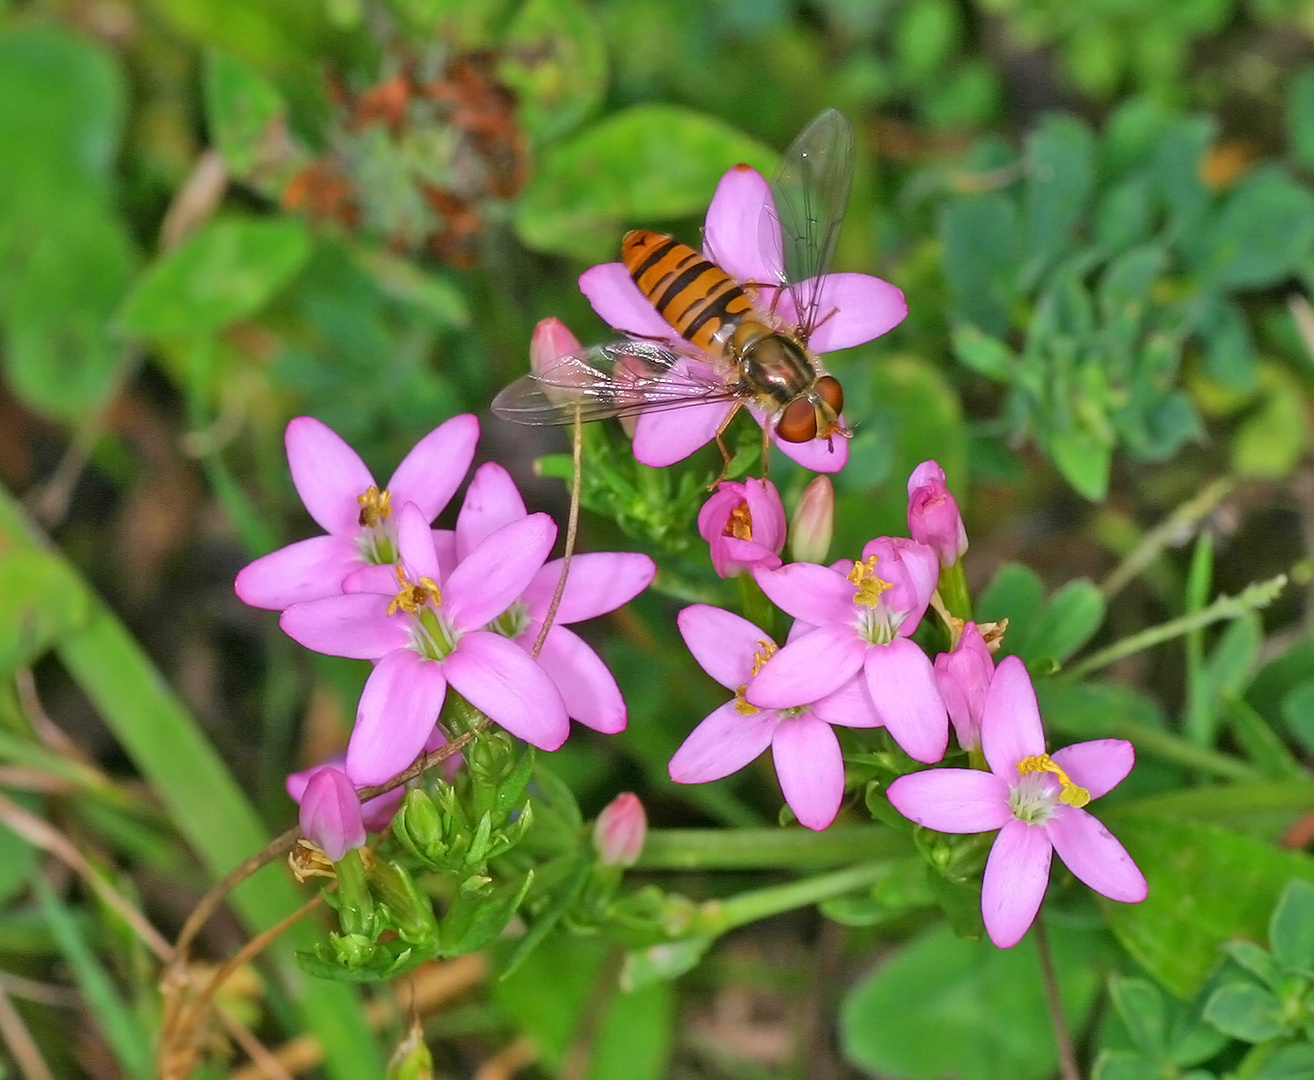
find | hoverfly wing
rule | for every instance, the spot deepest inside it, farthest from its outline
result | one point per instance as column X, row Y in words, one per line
column 618, row 379
column 811, row 189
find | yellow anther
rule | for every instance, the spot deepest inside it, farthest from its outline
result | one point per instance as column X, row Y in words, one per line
column 413, row 597
column 1072, row 794
column 375, row 505
column 870, row 587
column 740, row 523
column 765, row 653
column 742, row 705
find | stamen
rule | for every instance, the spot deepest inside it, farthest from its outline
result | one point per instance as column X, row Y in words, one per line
column 740, row 523
column 1072, row 794
column 765, row 653
column 743, row 706
column 413, row 597
column 375, row 505
column 870, row 587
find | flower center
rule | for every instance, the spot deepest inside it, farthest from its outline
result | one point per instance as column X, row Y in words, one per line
column 413, row 597
column 375, row 540
column 743, row 706
column 375, row 505
column 513, row 622
column 432, row 636
column 1071, row 794
column 869, row 586
column 740, row 523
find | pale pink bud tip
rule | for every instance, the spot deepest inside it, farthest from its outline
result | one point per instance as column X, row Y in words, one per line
column 814, row 522
column 330, row 813
column 933, row 515
column 551, row 341
column 620, row 830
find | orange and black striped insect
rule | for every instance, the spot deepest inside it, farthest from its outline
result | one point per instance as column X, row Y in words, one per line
column 734, row 345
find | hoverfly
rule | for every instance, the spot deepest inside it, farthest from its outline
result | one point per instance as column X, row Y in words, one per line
column 734, row 343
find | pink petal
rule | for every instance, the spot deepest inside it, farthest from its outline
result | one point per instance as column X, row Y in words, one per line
column 377, row 812
column 952, row 800
column 912, row 569
column 924, row 473
column 1099, row 765
column 723, row 743
column 500, row 679
column 849, row 706
column 811, row 769
column 444, row 546
column 587, row 688
column 430, row 474
column 815, row 594
column 307, row 570
column 808, row 668
column 599, row 582
column 1016, row 876
column 356, row 625
column 330, row 813
column 1010, row 722
column 828, row 455
column 328, row 474
column 415, row 545
column 665, row 436
column 620, row 304
column 380, row 579
column 864, row 308
column 723, row 643
column 741, row 234
column 491, row 578
column 902, row 686
column 493, row 500
column 398, row 709
column 1094, row 855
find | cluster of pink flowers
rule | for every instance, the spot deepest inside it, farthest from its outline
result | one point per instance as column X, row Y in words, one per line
column 433, row 608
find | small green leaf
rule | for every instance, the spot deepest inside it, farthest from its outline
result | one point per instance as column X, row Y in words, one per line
column 240, row 107
column 1246, row 1012
column 41, row 600
column 1263, row 233
column 1067, row 621
column 1060, row 179
column 1300, row 116
column 1256, row 960
column 1084, row 459
column 1291, row 932
column 226, row 271
column 985, row 355
column 554, row 57
column 663, row 962
column 1126, row 1065
column 982, row 249
column 1143, row 1012
column 645, row 165
column 1273, row 440
column 924, row 36
column 1292, row 1062
column 1298, row 712
column 1015, row 593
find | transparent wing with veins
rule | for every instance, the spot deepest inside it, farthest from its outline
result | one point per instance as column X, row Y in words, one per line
column 811, row 189
column 618, row 379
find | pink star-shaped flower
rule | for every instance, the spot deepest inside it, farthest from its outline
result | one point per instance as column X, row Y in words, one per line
column 1034, row 799
column 858, row 623
column 744, row 526
column 804, row 749
column 742, row 236
column 428, row 630
column 340, row 494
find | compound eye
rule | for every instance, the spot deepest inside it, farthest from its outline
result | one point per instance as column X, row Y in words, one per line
column 798, row 423
column 830, row 391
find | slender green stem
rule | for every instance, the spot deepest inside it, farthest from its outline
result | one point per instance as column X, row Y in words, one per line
column 1173, row 748
column 768, row 849
column 953, row 591
column 1062, row 1036
column 719, row 916
column 1252, row 598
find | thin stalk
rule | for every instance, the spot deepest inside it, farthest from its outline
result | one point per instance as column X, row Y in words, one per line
column 1062, row 1036
column 768, row 849
column 572, row 526
column 718, row 916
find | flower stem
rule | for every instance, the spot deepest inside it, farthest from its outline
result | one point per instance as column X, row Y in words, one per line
column 1252, row 598
column 572, row 526
column 768, row 849
column 719, row 916
column 1062, row 1036
column 952, row 588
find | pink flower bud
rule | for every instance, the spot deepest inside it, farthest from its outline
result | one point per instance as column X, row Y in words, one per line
column 330, row 813
column 620, row 830
column 964, row 677
column 551, row 341
column 814, row 522
column 744, row 525
column 933, row 517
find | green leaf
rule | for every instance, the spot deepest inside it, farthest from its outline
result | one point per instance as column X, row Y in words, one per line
column 1292, row 1062
column 1175, row 934
column 1261, row 743
column 1143, row 1012
column 1229, row 347
column 404, row 280
column 1084, row 459
column 1300, row 116
column 641, row 166
column 1015, row 593
column 985, row 355
column 41, row 601
column 1065, row 623
column 1060, row 179
column 924, row 36
column 228, row 270
column 240, row 108
column 1291, row 931
column 555, row 59
column 1263, row 233
column 1246, row 1012
column 967, row 1010
column 1298, row 712
column 981, row 253
column 268, row 35
column 1126, row 1065
column 1272, row 441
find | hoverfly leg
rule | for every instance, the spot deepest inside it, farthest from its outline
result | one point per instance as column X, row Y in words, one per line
column 648, row 337
column 823, row 320
column 720, row 445
column 766, row 450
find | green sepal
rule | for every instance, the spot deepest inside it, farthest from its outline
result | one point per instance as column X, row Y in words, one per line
column 474, row 921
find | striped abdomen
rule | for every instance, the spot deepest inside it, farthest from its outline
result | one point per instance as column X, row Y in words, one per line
column 699, row 299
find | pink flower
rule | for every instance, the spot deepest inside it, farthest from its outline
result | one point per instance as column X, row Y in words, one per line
column 814, row 521
column 423, row 635
column 340, row 494
column 964, row 678
column 620, row 830
column 551, row 340
column 933, row 517
column 744, row 525
column 1034, row 799
column 860, row 622
column 742, row 236
column 331, row 813
column 804, row 749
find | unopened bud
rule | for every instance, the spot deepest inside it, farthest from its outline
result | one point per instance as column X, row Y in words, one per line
column 418, row 825
column 412, row 1059
column 330, row 813
column 963, row 677
column 814, row 522
column 933, row 515
column 620, row 830
column 551, row 341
